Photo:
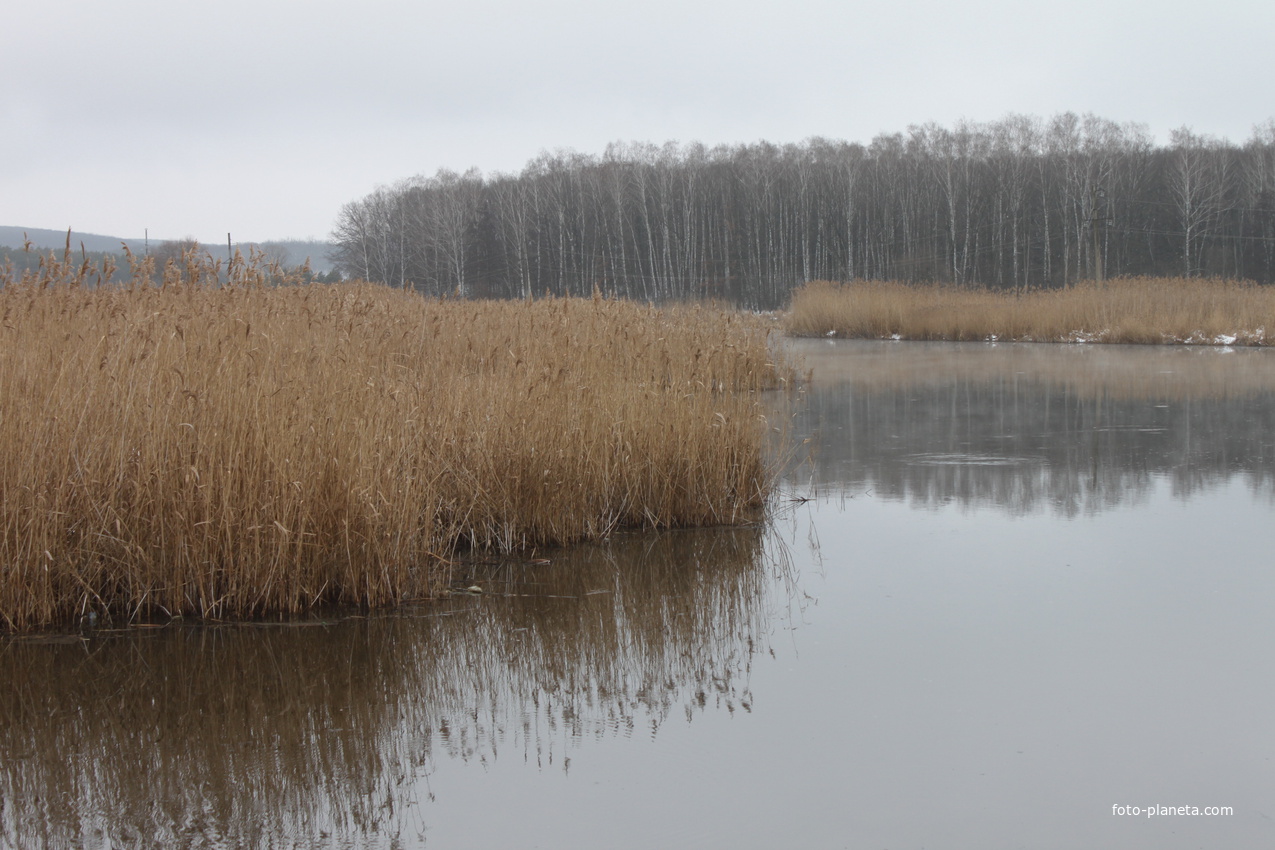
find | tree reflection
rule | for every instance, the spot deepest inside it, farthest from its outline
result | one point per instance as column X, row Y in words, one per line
column 1029, row 428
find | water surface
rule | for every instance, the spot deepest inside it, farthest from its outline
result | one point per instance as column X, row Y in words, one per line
column 1031, row 583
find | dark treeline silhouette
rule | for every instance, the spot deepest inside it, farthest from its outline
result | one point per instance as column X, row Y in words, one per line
column 1020, row 202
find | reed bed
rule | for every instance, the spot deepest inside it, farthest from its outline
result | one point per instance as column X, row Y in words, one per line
column 1125, row 310
column 188, row 448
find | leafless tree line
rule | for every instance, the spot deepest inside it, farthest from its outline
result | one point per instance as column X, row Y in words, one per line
column 1020, row 202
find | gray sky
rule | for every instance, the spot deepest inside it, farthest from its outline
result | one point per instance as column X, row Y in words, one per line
column 262, row 118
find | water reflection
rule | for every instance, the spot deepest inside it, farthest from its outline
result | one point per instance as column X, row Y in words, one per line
column 956, row 678
column 1028, row 428
column 273, row 735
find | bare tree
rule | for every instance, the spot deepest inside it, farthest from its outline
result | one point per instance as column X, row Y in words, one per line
column 1198, row 173
column 1013, row 203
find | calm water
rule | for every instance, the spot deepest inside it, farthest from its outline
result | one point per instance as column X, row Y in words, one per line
column 1031, row 583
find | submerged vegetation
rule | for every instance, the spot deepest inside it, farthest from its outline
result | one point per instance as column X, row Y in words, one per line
column 180, row 447
column 1131, row 310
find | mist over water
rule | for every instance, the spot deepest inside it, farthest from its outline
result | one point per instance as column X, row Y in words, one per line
column 1031, row 583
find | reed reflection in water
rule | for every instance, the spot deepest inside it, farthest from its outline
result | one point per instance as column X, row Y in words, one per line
column 314, row 734
column 1027, row 428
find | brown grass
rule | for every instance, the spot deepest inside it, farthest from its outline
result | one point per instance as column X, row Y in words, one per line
column 234, row 451
column 1128, row 310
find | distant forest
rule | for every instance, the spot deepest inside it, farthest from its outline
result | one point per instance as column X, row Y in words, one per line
column 1020, row 202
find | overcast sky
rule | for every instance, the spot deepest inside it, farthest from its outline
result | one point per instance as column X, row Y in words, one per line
column 263, row 118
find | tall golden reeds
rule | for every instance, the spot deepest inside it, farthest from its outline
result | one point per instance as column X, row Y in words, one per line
column 230, row 451
column 1131, row 310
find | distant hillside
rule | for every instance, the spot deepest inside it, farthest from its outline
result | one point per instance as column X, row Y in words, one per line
column 289, row 252
column 50, row 240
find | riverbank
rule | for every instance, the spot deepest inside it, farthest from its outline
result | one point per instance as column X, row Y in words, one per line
column 1193, row 311
column 191, row 449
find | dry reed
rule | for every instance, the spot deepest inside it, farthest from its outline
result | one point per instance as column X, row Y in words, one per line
column 231, row 451
column 1126, row 310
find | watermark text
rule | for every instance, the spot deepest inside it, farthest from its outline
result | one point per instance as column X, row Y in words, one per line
column 1172, row 811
